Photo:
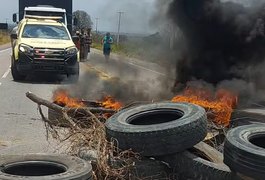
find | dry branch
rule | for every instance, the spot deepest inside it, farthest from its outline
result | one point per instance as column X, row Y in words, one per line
column 44, row 102
column 92, row 138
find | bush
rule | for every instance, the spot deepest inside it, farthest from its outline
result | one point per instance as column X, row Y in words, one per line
column 4, row 37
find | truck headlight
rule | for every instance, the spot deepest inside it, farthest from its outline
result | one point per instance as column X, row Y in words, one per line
column 71, row 51
column 25, row 49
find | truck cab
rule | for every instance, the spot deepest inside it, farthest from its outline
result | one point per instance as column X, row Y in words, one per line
column 46, row 11
column 43, row 44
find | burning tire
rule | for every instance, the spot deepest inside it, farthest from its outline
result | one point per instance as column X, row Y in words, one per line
column 244, row 150
column 41, row 166
column 158, row 129
column 200, row 162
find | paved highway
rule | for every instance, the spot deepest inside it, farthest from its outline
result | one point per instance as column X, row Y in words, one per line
column 21, row 128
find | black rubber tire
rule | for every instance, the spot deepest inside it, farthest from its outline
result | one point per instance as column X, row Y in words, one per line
column 149, row 169
column 189, row 165
column 56, row 119
column 187, row 126
column 15, row 74
column 74, row 77
column 144, row 169
column 141, row 169
column 241, row 155
column 248, row 116
column 75, row 168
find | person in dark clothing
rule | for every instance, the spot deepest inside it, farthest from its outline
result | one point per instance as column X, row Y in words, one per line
column 107, row 41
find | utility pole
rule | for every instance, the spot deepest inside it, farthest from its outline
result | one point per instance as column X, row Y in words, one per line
column 119, row 26
column 97, row 25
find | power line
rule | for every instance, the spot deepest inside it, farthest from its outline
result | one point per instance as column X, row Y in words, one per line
column 119, row 26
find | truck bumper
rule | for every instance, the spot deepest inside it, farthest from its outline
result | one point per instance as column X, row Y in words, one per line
column 26, row 66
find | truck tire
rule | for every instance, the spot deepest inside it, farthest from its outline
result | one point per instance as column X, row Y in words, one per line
column 158, row 129
column 44, row 167
column 244, row 151
column 200, row 162
column 248, row 116
column 149, row 169
column 141, row 169
column 75, row 76
column 15, row 74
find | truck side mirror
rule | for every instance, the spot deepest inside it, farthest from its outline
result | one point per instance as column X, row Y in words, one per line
column 75, row 21
column 13, row 36
column 14, row 17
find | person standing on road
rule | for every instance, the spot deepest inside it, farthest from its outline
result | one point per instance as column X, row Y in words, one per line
column 107, row 41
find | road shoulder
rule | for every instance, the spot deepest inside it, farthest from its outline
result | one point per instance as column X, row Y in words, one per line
column 133, row 61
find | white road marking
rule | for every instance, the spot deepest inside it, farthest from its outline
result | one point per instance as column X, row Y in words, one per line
column 6, row 73
column 5, row 50
column 146, row 69
column 0, row 84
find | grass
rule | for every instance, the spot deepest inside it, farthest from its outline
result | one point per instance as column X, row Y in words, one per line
column 4, row 37
column 143, row 49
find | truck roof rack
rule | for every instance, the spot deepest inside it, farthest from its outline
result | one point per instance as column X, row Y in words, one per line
column 43, row 17
column 42, row 8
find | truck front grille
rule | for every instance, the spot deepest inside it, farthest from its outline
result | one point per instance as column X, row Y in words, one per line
column 49, row 54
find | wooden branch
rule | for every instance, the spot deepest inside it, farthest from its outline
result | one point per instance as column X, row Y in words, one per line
column 93, row 110
column 59, row 109
column 44, row 102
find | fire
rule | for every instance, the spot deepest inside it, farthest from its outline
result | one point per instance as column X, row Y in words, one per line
column 109, row 102
column 62, row 98
column 220, row 104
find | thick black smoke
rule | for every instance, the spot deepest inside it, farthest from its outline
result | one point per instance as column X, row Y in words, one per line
column 224, row 39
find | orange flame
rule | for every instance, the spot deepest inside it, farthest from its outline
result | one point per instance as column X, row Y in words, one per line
column 220, row 104
column 109, row 102
column 62, row 98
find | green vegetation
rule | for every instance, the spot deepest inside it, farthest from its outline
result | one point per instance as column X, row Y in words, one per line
column 4, row 37
column 145, row 48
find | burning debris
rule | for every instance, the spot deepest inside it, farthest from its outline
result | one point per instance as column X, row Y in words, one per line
column 219, row 105
column 110, row 103
column 223, row 39
column 63, row 98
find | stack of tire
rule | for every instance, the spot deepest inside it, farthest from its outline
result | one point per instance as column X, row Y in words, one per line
column 171, row 133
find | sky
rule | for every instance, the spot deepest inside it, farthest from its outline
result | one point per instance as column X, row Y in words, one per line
column 136, row 17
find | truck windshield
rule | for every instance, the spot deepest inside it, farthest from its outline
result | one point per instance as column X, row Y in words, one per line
column 45, row 32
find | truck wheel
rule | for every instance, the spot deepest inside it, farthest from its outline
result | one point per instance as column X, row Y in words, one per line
column 16, row 75
column 200, row 162
column 74, row 77
column 158, row 129
column 244, row 150
column 44, row 166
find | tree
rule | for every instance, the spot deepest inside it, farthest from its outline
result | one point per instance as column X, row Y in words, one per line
column 83, row 20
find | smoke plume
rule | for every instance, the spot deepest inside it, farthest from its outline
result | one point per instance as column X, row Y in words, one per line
column 224, row 40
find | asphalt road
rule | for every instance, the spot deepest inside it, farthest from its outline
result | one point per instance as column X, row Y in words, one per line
column 21, row 127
